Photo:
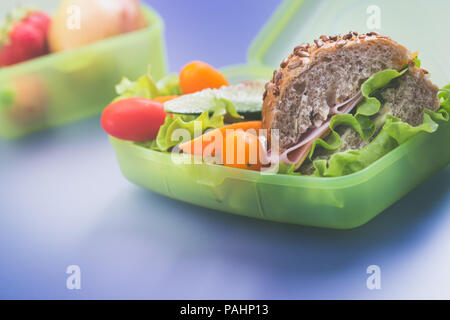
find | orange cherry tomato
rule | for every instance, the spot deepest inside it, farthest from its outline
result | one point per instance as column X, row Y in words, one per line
column 197, row 76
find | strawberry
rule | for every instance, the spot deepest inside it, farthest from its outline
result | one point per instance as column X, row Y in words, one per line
column 23, row 36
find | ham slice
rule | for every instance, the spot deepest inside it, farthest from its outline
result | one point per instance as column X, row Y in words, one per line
column 297, row 153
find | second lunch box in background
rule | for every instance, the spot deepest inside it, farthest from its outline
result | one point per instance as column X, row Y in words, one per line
column 65, row 87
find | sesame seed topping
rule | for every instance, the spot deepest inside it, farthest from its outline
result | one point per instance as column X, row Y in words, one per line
column 284, row 63
column 302, row 54
column 295, row 64
column 318, row 43
column 341, row 43
column 277, row 75
column 348, row 36
column 276, row 90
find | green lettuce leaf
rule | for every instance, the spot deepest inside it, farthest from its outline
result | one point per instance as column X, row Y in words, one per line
column 146, row 87
column 444, row 97
column 361, row 124
column 393, row 134
column 371, row 105
column 211, row 119
column 350, row 161
column 169, row 85
column 224, row 107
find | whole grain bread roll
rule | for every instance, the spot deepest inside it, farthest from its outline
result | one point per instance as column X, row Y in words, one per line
column 317, row 77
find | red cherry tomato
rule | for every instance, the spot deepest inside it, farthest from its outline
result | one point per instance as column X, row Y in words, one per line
column 133, row 119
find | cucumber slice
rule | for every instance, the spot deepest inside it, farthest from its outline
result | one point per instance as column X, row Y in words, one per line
column 245, row 96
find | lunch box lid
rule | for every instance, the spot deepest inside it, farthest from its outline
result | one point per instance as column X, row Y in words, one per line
column 418, row 25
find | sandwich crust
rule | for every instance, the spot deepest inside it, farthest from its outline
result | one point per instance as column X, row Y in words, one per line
column 316, row 77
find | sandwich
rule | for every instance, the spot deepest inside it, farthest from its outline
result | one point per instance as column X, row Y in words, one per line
column 341, row 103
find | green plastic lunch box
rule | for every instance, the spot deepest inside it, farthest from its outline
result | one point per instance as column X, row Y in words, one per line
column 341, row 203
column 64, row 87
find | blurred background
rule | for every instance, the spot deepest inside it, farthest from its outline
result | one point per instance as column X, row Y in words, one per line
column 64, row 201
column 195, row 30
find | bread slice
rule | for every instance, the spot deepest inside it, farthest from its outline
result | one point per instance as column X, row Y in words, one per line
column 408, row 96
column 317, row 77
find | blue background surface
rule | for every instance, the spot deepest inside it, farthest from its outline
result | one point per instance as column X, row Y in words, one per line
column 63, row 201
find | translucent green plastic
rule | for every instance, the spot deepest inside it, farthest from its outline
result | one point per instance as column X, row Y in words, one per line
column 344, row 202
column 77, row 84
column 418, row 25
column 341, row 203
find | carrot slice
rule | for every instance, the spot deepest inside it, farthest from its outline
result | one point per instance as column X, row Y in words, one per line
column 198, row 145
column 242, row 150
column 164, row 98
column 239, row 146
